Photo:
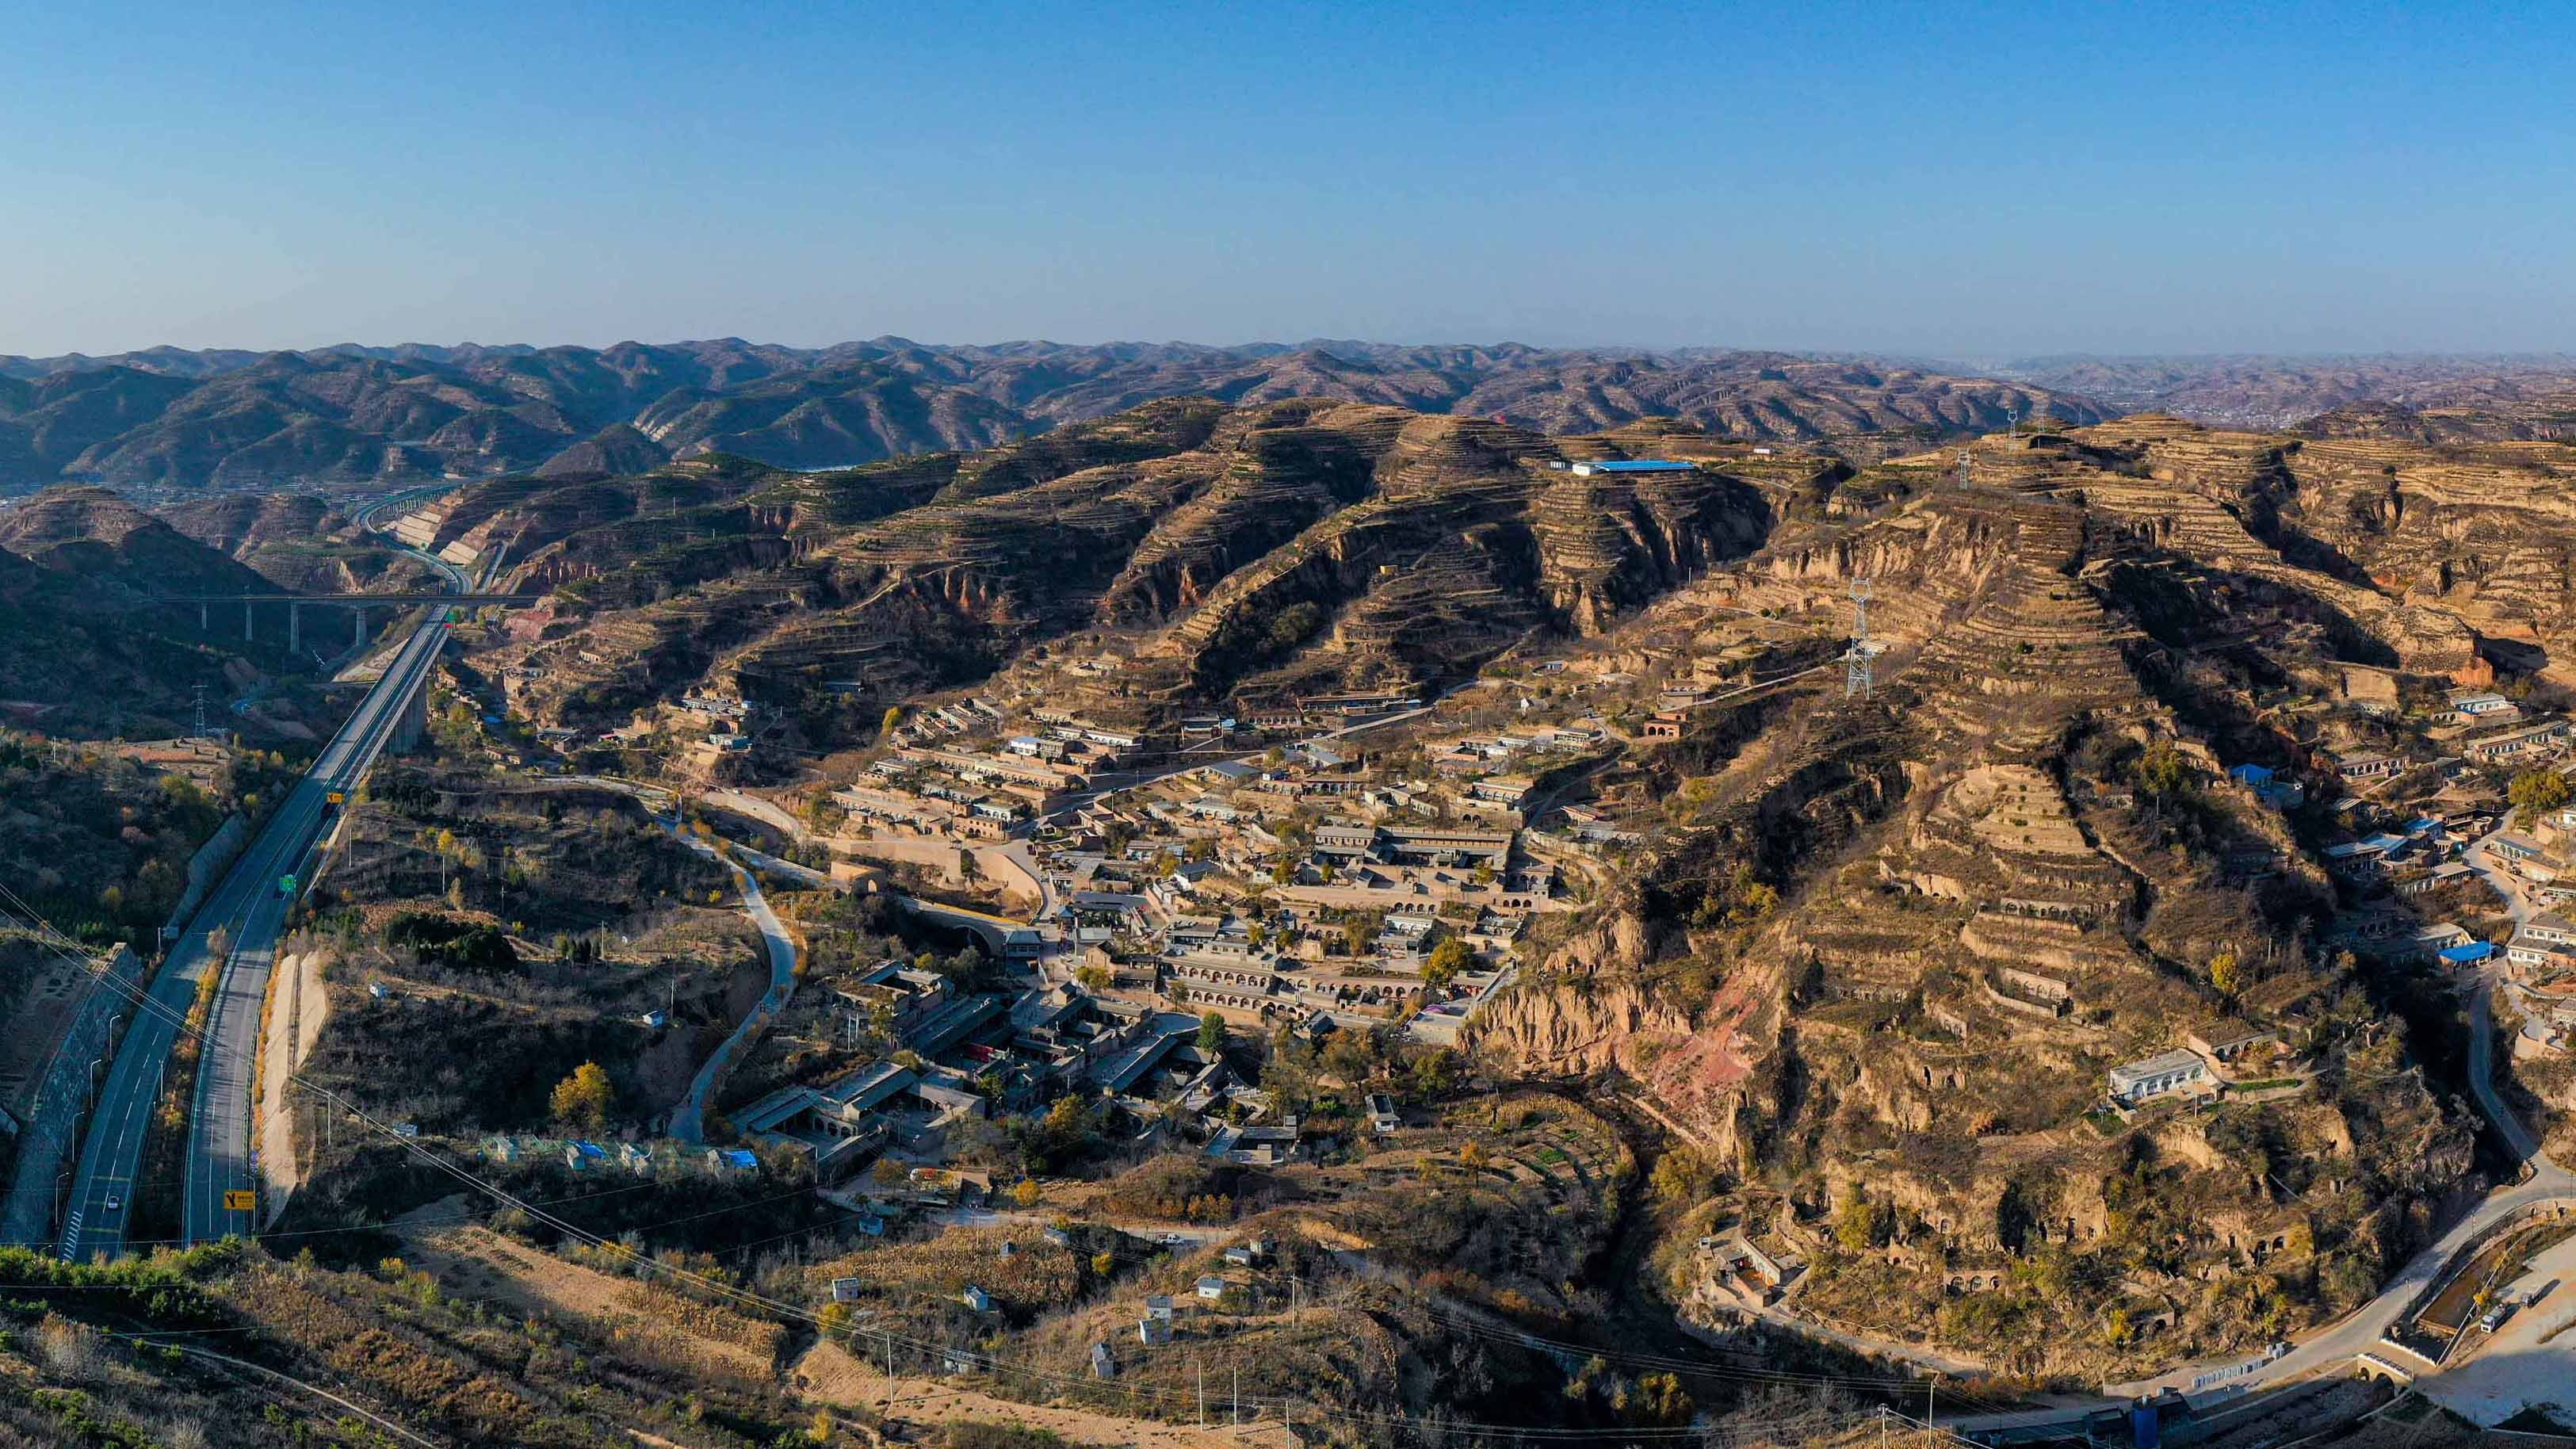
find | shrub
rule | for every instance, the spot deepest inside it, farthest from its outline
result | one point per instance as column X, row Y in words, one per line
column 988, row 1434
column 458, row 945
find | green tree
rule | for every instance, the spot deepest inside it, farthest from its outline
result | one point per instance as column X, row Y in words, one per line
column 1291, row 625
column 1349, row 1056
column 1289, row 1075
column 2226, row 974
column 2163, row 771
column 1681, row 1177
column 2118, row 1328
column 2536, row 792
column 1660, row 1402
column 582, row 1099
column 1447, row 959
column 1212, row 1033
column 834, row 1320
column 1435, row 1073
column 1856, row 1224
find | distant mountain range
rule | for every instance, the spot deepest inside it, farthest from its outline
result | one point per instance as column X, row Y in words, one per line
column 167, row 416
column 2511, row 395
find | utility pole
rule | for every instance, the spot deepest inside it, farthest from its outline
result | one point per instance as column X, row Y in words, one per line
column 1237, row 1412
column 1201, row 1366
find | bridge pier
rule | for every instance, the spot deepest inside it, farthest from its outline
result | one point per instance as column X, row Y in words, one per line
column 246, row 607
column 205, row 618
column 294, row 627
column 358, row 613
column 413, row 724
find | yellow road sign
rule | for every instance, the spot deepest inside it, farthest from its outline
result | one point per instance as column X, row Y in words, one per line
column 240, row 1201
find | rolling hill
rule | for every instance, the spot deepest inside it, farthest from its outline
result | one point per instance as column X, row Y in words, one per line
column 352, row 415
column 2498, row 396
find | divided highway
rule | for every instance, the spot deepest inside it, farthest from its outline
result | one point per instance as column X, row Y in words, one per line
column 249, row 905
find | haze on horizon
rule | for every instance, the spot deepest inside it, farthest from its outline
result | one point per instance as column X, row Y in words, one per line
column 1927, row 181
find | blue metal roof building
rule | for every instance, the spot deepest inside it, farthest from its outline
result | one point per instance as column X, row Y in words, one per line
column 1637, row 465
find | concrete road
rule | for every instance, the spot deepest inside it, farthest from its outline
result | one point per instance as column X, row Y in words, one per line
column 247, row 906
column 767, row 813
column 2512, row 1369
column 689, row 1119
column 2521, row 908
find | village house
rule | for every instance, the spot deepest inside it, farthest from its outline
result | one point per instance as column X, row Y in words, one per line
column 2225, row 1041
column 2139, row 1081
column 2365, row 766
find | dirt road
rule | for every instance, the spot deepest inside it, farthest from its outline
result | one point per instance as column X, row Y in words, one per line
column 829, row 1373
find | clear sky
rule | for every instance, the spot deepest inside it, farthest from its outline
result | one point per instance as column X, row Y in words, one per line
column 1951, row 179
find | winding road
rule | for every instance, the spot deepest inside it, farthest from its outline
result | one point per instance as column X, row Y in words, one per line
column 689, row 1119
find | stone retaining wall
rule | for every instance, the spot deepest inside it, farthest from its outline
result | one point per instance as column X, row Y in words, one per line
column 207, row 865
column 51, row 1134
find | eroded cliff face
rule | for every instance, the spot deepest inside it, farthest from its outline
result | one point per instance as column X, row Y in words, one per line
column 1579, row 1027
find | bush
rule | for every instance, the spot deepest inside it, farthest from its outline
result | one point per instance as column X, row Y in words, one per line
column 989, row 1434
column 457, row 945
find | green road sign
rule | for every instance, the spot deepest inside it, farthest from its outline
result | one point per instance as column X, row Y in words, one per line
column 286, row 885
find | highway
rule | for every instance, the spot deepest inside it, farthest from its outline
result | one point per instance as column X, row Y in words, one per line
column 247, row 904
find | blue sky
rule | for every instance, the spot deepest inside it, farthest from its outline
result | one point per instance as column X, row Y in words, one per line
column 1955, row 180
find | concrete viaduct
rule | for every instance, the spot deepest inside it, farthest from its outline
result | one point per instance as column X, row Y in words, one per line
column 356, row 604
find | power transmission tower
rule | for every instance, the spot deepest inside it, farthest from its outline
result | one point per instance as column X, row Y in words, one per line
column 1856, row 680
column 201, row 711
column 1963, row 467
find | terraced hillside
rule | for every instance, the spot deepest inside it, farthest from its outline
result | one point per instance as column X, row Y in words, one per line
column 1877, row 955
column 1306, row 543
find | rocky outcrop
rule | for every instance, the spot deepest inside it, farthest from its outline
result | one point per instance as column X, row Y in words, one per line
column 1576, row 1031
